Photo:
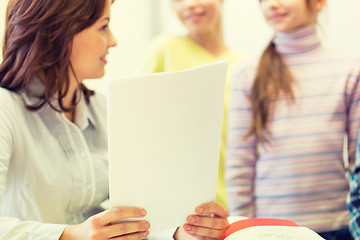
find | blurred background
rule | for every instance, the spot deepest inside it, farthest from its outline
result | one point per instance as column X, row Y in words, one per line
column 135, row 22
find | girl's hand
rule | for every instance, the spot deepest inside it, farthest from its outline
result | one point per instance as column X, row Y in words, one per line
column 209, row 223
column 103, row 226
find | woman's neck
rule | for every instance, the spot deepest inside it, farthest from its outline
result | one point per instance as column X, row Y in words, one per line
column 70, row 115
column 212, row 41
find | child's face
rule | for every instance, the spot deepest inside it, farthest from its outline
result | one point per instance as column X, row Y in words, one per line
column 90, row 47
column 198, row 16
column 288, row 15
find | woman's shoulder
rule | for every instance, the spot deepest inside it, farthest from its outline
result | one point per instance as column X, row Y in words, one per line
column 9, row 98
column 10, row 103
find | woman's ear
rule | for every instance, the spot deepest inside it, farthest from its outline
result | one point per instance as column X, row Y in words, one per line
column 319, row 4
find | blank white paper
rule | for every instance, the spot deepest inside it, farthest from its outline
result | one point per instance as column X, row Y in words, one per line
column 164, row 141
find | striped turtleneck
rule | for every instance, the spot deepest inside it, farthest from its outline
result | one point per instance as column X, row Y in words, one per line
column 297, row 42
column 299, row 174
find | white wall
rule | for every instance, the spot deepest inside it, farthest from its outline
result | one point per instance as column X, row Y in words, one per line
column 343, row 20
column 135, row 22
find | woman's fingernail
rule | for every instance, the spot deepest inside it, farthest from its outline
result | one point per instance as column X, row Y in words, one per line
column 147, row 225
column 191, row 219
column 199, row 210
column 146, row 233
column 143, row 212
column 187, row 227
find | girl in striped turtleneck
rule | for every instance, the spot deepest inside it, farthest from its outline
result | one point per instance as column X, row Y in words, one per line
column 288, row 114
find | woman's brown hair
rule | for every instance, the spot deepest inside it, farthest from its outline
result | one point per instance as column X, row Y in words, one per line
column 37, row 43
column 272, row 78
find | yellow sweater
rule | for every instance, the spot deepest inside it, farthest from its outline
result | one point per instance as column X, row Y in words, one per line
column 174, row 53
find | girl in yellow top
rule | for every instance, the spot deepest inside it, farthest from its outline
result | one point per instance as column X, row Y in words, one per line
column 203, row 44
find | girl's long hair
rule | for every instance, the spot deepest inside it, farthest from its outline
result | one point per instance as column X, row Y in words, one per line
column 272, row 78
column 38, row 41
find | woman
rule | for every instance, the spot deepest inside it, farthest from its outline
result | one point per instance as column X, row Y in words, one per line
column 53, row 132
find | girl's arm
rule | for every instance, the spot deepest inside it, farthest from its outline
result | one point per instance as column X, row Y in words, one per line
column 241, row 152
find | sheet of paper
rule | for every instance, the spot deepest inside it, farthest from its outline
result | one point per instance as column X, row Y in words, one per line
column 275, row 233
column 268, row 229
column 164, row 141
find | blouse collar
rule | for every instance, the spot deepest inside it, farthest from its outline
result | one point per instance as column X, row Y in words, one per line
column 36, row 90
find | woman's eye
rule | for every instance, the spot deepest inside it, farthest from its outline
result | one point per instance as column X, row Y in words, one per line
column 104, row 27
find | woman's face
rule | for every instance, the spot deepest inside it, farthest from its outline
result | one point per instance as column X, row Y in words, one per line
column 90, row 47
column 288, row 15
column 198, row 16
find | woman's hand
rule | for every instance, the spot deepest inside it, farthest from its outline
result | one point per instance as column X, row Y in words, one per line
column 103, row 226
column 209, row 223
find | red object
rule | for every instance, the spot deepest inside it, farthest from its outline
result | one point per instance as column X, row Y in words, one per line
column 253, row 222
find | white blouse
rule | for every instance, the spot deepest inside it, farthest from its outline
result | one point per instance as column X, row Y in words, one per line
column 53, row 172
